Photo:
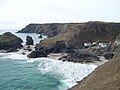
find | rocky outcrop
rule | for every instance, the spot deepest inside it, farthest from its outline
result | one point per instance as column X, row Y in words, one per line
column 115, row 46
column 105, row 77
column 50, row 29
column 36, row 54
column 29, row 40
column 108, row 55
column 57, row 47
column 10, row 42
column 75, row 35
column 53, row 29
column 80, row 57
column 40, row 36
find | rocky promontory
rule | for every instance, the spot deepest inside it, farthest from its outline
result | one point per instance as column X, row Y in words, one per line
column 10, row 42
column 75, row 34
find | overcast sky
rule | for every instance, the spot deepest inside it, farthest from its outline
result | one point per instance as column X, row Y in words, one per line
column 18, row 13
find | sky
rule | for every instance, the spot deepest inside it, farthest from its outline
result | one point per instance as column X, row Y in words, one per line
column 17, row 14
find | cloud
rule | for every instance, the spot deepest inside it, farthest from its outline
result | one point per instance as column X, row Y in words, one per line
column 41, row 11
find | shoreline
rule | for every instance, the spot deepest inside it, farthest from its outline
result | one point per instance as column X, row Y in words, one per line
column 54, row 57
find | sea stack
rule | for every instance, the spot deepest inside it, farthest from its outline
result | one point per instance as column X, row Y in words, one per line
column 29, row 40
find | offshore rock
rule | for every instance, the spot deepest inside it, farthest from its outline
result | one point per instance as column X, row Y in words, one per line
column 29, row 40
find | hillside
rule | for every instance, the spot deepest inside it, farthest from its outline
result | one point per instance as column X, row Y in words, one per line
column 75, row 34
column 105, row 77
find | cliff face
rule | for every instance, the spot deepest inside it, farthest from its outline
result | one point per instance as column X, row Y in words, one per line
column 51, row 30
column 75, row 34
column 105, row 77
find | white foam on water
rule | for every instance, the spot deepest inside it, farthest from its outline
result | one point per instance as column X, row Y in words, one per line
column 15, row 56
column 66, row 72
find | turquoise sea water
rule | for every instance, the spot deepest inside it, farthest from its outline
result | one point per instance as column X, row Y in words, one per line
column 21, row 75
column 17, row 72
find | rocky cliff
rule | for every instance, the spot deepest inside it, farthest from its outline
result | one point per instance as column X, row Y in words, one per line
column 50, row 29
column 75, row 34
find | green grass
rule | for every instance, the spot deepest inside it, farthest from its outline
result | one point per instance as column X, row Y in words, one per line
column 53, row 40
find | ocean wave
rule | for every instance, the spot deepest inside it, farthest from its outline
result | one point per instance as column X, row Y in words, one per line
column 14, row 56
column 66, row 72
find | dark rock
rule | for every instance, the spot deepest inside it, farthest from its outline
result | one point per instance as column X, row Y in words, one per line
column 54, row 48
column 69, row 51
column 59, row 45
column 23, row 53
column 10, row 42
column 36, row 54
column 29, row 40
column 41, row 47
column 80, row 57
column 40, row 36
column 29, row 49
column 108, row 55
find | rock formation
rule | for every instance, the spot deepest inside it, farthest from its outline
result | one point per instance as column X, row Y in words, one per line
column 29, row 40
column 75, row 34
column 40, row 36
column 80, row 57
column 36, row 54
column 10, row 42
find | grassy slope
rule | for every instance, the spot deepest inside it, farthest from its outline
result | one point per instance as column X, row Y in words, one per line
column 76, row 34
column 105, row 77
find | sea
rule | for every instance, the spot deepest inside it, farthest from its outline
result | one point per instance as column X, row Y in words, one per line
column 17, row 72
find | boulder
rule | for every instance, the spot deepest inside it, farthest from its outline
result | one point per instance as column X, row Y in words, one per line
column 10, row 42
column 108, row 55
column 29, row 40
column 40, row 36
column 36, row 54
